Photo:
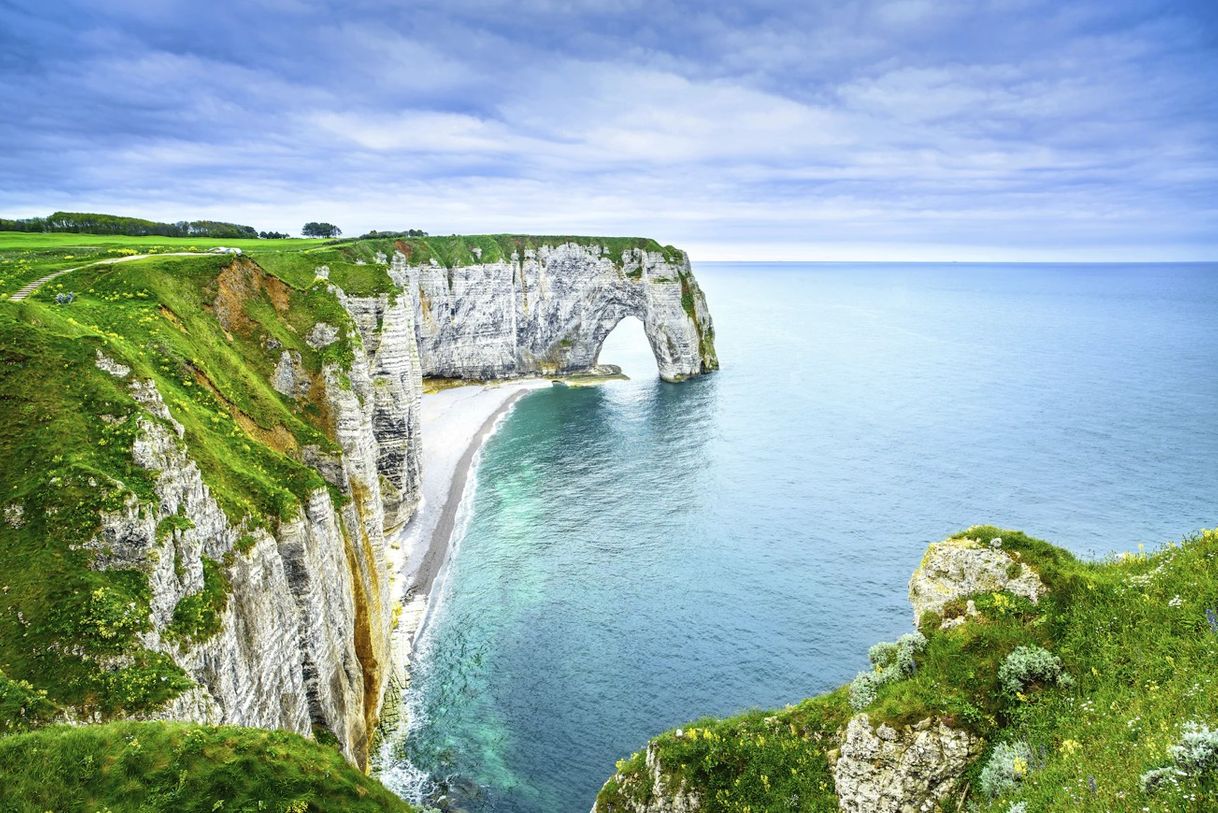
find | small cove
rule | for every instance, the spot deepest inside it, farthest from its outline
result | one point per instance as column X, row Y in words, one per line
column 641, row 554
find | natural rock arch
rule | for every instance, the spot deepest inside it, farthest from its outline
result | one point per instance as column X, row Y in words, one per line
column 549, row 311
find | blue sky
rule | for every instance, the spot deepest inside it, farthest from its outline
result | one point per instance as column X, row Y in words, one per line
column 893, row 129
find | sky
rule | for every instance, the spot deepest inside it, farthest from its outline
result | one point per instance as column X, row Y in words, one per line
column 757, row 129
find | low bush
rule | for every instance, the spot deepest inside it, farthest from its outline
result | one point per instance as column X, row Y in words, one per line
column 1030, row 665
column 890, row 662
column 1193, row 757
column 1008, row 765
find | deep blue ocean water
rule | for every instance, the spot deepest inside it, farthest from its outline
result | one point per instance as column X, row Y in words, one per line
column 643, row 554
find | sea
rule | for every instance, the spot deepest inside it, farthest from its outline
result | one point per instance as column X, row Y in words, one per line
column 635, row 556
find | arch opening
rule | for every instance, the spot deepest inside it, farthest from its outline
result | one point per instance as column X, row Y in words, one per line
column 627, row 346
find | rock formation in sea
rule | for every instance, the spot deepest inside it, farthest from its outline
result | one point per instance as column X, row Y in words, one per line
column 548, row 309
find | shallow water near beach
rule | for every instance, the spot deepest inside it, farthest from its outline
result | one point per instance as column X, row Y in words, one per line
column 641, row 554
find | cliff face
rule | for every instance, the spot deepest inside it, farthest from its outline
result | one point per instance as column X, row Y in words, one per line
column 302, row 638
column 548, row 309
column 231, row 447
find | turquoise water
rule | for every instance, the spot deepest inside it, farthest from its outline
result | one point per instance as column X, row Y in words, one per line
column 642, row 554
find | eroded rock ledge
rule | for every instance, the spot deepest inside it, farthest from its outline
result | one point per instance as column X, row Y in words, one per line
column 883, row 769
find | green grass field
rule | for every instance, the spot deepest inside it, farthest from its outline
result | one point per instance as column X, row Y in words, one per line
column 25, row 241
column 27, row 256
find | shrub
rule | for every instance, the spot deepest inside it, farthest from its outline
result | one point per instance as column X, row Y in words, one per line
column 1007, row 767
column 863, row 689
column 1156, row 778
column 1197, row 751
column 1027, row 665
column 890, row 662
column 22, row 706
column 1195, row 755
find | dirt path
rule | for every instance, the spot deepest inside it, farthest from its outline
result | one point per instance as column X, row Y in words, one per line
column 30, row 287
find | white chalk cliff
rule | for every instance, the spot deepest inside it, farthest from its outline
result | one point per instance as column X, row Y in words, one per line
column 304, row 643
column 548, row 310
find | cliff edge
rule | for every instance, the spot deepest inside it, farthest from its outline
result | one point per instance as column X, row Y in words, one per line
column 1033, row 682
column 208, row 457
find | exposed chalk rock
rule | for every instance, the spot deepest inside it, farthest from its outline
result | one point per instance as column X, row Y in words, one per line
column 289, row 377
column 304, row 637
column 911, row 769
column 663, row 794
column 321, row 335
column 109, row 365
column 955, row 568
column 387, row 331
column 550, row 312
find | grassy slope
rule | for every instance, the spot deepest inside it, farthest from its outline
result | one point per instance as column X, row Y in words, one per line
column 180, row 767
column 1132, row 633
column 67, row 631
column 29, row 256
column 66, row 430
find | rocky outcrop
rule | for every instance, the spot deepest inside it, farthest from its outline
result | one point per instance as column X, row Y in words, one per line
column 251, row 672
column 387, row 328
column 901, row 770
column 960, row 567
column 303, row 638
column 548, row 311
column 654, row 791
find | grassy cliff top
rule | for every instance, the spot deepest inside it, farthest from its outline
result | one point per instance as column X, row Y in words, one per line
column 352, row 262
column 181, row 767
column 1137, row 635
column 208, row 331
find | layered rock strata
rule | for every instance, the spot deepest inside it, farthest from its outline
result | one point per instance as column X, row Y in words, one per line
column 547, row 311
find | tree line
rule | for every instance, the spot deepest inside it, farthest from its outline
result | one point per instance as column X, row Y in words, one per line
column 384, row 234
column 93, row 223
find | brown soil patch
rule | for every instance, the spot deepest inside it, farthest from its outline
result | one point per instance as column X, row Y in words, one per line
column 280, row 294
column 368, row 613
column 278, row 438
column 172, row 318
column 425, row 308
column 235, row 284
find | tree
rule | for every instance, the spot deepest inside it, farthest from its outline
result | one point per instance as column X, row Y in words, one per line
column 312, row 229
